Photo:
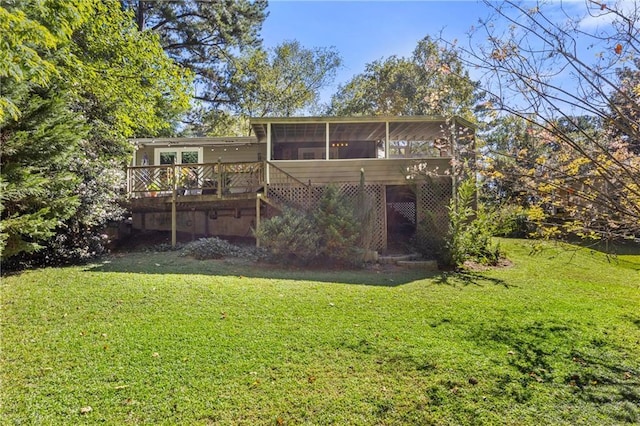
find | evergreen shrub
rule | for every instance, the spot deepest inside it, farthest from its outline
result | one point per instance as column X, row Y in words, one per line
column 470, row 230
column 291, row 236
column 337, row 231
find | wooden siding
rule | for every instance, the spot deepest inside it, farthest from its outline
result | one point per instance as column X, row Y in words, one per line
column 211, row 154
column 387, row 171
column 231, row 155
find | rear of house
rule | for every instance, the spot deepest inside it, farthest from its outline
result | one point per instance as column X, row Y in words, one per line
column 224, row 186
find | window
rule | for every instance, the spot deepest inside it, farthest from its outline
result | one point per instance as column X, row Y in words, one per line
column 178, row 155
column 189, row 176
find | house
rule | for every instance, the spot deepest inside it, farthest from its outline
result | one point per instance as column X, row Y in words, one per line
column 224, row 186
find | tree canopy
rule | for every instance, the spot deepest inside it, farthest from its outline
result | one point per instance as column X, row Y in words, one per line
column 67, row 110
column 283, row 81
column 433, row 81
column 203, row 36
column 552, row 73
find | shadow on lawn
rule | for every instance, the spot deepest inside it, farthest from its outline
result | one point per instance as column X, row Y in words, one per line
column 544, row 353
column 468, row 278
column 378, row 275
column 165, row 263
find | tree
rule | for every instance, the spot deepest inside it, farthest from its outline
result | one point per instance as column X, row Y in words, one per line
column 539, row 65
column 203, row 36
column 282, row 81
column 433, row 81
column 624, row 111
column 26, row 40
column 38, row 192
column 64, row 147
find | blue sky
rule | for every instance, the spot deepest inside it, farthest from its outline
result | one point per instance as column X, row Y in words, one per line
column 364, row 31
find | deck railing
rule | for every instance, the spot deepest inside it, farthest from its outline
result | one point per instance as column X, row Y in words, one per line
column 220, row 179
column 287, row 190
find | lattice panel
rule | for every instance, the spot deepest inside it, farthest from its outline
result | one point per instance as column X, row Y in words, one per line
column 432, row 200
column 294, row 196
column 406, row 210
column 375, row 193
column 304, row 198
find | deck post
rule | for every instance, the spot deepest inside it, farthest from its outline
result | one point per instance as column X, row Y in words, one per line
column 174, row 221
column 387, row 143
column 219, row 189
column 257, row 218
column 266, row 163
column 327, row 142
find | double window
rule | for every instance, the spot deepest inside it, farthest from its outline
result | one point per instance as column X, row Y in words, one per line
column 178, row 156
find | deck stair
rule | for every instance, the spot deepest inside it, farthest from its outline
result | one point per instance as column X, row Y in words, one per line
column 409, row 261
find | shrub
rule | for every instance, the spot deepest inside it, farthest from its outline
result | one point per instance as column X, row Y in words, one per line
column 337, row 225
column 337, row 231
column 290, row 236
column 511, row 221
column 470, row 230
column 211, row 248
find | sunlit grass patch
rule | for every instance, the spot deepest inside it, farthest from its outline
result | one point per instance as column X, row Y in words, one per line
column 159, row 338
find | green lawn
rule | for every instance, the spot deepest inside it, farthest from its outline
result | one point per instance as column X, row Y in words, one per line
column 157, row 338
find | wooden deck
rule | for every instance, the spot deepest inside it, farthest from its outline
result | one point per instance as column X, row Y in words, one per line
column 204, row 182
column 227, row 198
column 210, row 182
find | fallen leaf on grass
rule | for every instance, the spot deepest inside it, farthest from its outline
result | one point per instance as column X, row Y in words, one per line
column 155, row 355
column 86, row 410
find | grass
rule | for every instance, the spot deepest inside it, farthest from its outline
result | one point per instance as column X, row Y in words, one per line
column 157, row 338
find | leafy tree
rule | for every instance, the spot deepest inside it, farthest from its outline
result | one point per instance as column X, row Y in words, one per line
column 28, row 38
column 64, row 146
column 282, row 81
column 38, row 191
column 122, row 80
column 537, row 68
column 203, row 36
column 433, row 81
column 624, row 108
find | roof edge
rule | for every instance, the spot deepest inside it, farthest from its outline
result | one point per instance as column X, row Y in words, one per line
column 196, row 140
column 361, row 119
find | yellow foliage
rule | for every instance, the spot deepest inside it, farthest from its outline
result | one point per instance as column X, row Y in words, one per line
column 536, row 214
